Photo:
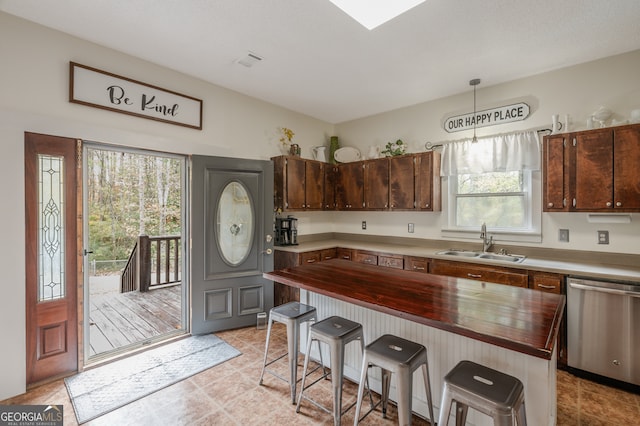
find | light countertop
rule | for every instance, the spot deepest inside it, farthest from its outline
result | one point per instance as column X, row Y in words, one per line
column 586, row 264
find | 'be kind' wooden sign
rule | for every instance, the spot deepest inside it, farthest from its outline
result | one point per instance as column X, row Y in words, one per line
column 100, row 89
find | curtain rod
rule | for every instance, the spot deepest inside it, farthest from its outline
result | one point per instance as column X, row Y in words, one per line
column 429, row 146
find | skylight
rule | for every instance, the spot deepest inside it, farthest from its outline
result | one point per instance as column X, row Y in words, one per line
column 372, row 13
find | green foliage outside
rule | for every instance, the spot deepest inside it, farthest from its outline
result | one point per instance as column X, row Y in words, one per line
column 129, row 195
column 496, row 199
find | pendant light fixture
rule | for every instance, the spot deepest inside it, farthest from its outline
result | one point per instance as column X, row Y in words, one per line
column 474, row 83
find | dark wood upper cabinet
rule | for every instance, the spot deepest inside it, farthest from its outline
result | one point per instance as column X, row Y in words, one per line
column 330, row 181
column 555, row 182
column 298, row 183
column 626, row 166
column 376, row 184
column 407, row 182
column 402, row 182
column 428, row 194
column 314, row 185
column 289, row 183
column 592, row 171
column 350, row 187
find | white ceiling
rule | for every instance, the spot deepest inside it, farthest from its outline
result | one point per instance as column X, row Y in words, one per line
column 320, row 62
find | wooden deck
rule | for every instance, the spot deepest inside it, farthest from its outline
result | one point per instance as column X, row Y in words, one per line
column 121, row 319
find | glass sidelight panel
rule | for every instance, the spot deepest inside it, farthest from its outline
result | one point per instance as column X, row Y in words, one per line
column 235, row 223
column 50, row 228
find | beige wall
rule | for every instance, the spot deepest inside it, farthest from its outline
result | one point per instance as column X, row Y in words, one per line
column 34, row 81
column 577, row 91
column 34, row 97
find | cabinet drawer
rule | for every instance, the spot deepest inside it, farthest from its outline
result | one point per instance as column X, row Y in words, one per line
column 344, row 253
column 480, row 273
column 309, row 257
column 368, row 258
column 328, row 254
column 417, row 264
column 551, row 283
column 391, row 262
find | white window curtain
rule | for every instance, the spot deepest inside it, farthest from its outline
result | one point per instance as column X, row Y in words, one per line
column 499, row 153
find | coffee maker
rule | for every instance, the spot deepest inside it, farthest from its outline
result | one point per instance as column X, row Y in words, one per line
column 286, row 231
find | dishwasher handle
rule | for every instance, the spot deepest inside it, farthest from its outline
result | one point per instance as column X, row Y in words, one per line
column 604, row 290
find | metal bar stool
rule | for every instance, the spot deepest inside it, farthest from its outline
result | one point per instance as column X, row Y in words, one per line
column 400, row 356
column 336, row 332
column 489, row 391
column 291, row 314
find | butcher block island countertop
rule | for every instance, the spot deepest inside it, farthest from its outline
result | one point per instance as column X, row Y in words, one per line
column 522, row 320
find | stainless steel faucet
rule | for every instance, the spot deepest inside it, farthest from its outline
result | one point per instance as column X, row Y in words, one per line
column 486, row 243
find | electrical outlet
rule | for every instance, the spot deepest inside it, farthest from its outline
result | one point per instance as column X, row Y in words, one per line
column 563, row 235
column 603, row 237
column 364, row 224
column 410, row 228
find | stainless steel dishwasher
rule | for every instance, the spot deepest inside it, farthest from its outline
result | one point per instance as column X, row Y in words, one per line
column 603, row 328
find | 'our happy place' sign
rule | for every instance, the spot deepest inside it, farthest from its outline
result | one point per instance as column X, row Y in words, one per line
column 487, row 117
column 92, row 87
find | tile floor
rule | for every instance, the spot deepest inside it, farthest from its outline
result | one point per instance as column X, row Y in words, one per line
column 229, row 394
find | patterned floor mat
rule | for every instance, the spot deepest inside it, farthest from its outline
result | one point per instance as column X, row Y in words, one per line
column 96, row 392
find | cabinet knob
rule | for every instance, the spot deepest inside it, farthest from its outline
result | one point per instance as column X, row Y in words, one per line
column 608, row 203
column 618, row 204
column 426, row 205
column 550, row 205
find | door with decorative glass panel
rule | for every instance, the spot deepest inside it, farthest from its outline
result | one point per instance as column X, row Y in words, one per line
column 51, row 177
column 231, row 245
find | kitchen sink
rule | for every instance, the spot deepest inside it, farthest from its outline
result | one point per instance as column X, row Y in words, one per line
column 504, row 257
column 512, row 258
column 462, row 253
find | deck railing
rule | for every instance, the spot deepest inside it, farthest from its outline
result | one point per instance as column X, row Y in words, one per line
column 153, row 262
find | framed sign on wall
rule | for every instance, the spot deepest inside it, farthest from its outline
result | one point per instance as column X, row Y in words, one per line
column 100, row 89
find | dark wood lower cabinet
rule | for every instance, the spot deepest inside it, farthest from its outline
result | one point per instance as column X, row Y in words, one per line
column 537, row 280
column 473, row 271
column 284, row 259
column 417, row 264
column 284, row 293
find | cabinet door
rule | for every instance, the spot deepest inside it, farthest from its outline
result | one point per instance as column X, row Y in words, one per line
column 376, row 184
column 593, row 170
column 362, row 256
column 328, row 254
column 344, row 253
column 626, row 168
column 295, row 184
column 473, row 271
column 555, row 175
column 314, row 185
column 402, row 185
column 391, row 261
column 350, row 188
column 546, row 281
column 428, row 196
column 309, row 257
column 417, row 264
column 283, row 293
column 330, row 182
